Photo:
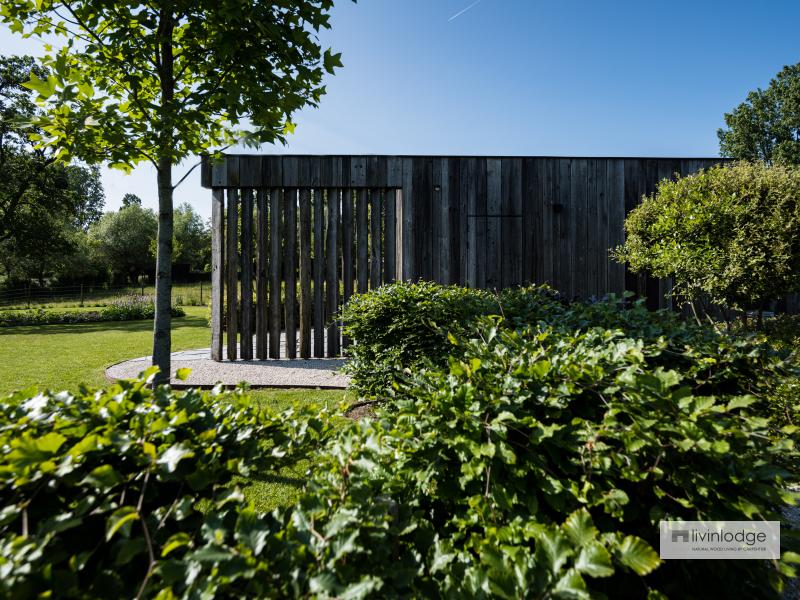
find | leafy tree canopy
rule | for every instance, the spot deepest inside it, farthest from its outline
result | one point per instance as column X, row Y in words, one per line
column 239, row 69
column 131, row 199
column 34, row 185
column 122, row 241
column 166, row 79
column 767, row 125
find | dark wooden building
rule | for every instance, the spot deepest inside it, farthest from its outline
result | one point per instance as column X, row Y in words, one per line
column 319, row 228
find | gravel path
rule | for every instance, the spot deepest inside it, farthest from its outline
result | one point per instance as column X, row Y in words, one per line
column 280, row 373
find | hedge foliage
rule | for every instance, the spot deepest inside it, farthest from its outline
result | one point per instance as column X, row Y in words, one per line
column 125, row 308
column 405, row 326
column 113, row 493
column 729, row 234
column 535, row 462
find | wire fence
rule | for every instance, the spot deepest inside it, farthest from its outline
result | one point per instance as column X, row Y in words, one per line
column 193, row 294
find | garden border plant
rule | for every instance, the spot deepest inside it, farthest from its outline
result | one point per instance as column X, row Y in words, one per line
column 124, row 308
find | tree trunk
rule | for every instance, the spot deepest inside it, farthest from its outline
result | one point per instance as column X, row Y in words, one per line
column 162, row 332
column 162, row 325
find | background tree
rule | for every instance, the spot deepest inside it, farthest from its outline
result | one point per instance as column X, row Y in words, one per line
column 32, row 182
column 161, row 81
column 766, row 126
column 130, row 199
column 192, row 239
column 122, row 241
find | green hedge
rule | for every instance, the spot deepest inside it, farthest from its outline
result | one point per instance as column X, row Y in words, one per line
column 105, row 494
column 406, row 326
column 126, row 308
column 536, row 462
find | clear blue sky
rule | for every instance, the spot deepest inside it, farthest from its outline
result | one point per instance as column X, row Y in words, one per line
column 530, row 77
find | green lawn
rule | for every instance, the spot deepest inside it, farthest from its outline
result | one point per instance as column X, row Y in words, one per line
column 59, row 357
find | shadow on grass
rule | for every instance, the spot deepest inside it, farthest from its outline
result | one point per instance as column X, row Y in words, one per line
column 147, row 325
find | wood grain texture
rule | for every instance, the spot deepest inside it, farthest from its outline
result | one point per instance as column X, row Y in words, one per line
column 305, row 273
column 246, row 335
column 362, row 240
column 217, row 271
column 484, row 222
column 275, row 266
column 332, row 272
column 290, row 269
column 319, row 271
column 389, row 235
column 348, row 244
column 262, row 299
column 375, row 219
column 232, row 271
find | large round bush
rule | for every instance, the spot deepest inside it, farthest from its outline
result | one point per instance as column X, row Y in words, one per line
column 729, row 234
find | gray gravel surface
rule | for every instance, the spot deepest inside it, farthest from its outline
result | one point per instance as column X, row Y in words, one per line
column 296, row 373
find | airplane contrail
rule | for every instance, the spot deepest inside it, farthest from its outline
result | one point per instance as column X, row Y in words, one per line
column 463, row 10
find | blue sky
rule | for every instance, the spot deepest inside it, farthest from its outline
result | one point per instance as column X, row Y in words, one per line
column 527, row 77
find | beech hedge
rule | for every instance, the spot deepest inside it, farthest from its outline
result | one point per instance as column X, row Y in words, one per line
column 536, row 461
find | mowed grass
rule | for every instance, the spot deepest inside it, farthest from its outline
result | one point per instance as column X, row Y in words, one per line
column 62, row 357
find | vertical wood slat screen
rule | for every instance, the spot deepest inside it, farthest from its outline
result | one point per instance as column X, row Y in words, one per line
column 291, row 258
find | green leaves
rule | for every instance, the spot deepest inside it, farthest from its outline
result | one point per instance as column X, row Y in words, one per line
column 727, row 235
column 594, row 560
column 108, row 100
column 44, row 87
column 637, row 555
column 92, row 483
column 122, row 518
column 536, row 462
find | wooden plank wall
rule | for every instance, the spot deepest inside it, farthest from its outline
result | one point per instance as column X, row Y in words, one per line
column 488, row 222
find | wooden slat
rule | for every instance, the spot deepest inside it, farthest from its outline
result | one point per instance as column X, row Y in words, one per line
column 347, row 244
column 469, row 194
column 616, row 218
column 305, row 273
column 511, row 222
column 454, row 176
column 217, row 271
column 563, row 216
column 375, row 218
column 275, row 266
column 319, row 270
column 246, row 336
column 493, row 220
column 578, row 193
column 233, row 271
column 262, row 302
column 362, row 240
column 390, row 236
column 444, row 244
column 289, row 269
column 406, row 240
column 332, row 273
column 531, row 231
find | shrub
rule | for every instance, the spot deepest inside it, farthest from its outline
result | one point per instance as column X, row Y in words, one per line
column 538, row 465
column 100, row 491
column 134, row 307
column 730, row 234
column 406, row 325
column 125, row 308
